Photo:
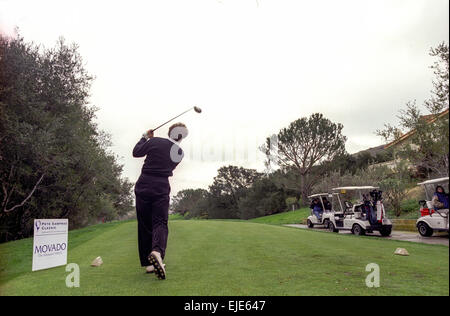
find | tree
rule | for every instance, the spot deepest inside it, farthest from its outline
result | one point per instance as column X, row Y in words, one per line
column 229, row 186
column 427, row 145
column 54, row 162
column 188, row 201
column 439, row 99
column 288, row 180
column 367, row 176
column 231, row 182
column 395, row 186
column 304, row 144
column 263, row 198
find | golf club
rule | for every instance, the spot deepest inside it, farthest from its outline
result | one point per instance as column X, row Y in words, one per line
column 195, row 108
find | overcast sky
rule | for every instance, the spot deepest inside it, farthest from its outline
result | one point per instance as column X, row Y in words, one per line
column 252, row 66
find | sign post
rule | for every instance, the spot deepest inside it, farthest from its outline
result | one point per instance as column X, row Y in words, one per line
column 49, row 243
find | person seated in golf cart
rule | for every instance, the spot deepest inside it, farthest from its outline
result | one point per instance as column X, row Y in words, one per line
column 326, row 204
column 440, row 198
column 316, row 206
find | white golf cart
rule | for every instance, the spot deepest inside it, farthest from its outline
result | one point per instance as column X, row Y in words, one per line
column 359, row 209
column 327, row 211
column 432, row 219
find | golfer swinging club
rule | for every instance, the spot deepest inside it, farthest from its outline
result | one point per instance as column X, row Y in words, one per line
column 152, row 194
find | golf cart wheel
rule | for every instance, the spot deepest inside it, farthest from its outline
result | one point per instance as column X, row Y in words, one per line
column 331, row 228
column 386, row 232
column 358, row 230
column 326, row 223
column 310, row 224
column 424, row 229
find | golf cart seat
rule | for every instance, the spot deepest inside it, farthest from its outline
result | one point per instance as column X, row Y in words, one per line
column 348, row 206
column 359, row 210
column 339, row 216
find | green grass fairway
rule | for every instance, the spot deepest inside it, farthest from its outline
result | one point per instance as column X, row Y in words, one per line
column 177, row 216
column 291, row 217
column 231, row 258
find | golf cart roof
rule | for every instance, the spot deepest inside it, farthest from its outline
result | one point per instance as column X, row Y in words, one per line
column 367, row 187
column 318, row 194
column 433, row 181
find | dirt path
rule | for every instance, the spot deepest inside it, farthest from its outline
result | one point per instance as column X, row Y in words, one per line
column 437, row 239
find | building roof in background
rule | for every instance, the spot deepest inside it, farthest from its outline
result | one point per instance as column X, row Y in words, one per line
column 373, row 151
column 429, row 118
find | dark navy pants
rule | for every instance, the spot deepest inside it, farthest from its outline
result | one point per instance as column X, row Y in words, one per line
column 152, row 208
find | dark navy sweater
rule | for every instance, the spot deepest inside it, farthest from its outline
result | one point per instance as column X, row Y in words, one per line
column 163, row 156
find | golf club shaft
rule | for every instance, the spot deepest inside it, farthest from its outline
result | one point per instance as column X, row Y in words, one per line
column 172, row 119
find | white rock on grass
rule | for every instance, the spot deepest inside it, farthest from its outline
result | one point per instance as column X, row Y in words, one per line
column 97, row 262
column 401, row 252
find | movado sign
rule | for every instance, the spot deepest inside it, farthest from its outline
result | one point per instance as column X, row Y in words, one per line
column 50, row 243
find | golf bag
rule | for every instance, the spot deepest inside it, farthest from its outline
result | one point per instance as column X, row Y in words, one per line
column 377, row 207
column 373, row 207
column 370, row 212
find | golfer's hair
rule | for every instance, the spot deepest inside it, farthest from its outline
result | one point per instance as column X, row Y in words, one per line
column 440, row 186
column 179, row 133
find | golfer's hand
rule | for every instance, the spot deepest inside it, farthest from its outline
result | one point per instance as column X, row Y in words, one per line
column 148, row 134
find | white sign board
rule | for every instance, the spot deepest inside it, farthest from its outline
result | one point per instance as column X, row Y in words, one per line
column 50, row 243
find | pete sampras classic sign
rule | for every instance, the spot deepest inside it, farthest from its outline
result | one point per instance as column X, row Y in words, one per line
column 50, row 243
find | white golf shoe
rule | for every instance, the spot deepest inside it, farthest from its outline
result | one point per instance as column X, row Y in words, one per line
column 156, row 261
column 151, row 269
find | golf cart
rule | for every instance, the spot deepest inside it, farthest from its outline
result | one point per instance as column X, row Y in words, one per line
column 359, row 209
column 327, row 213
column 432, row 219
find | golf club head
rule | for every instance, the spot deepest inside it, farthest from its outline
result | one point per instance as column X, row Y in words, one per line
column 197, row 109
